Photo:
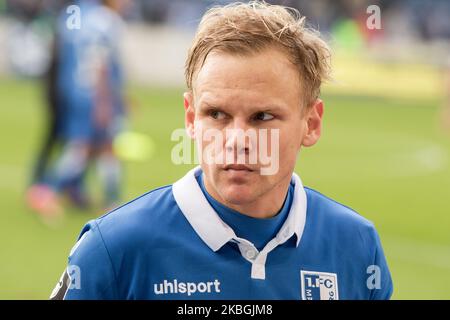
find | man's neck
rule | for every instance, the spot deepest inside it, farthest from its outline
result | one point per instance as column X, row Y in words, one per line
column 265, row 206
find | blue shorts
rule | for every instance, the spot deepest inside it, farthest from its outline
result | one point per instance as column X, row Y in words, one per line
column 79, row 125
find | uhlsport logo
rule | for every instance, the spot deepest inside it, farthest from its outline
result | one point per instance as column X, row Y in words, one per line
column 187, row 288
column 319, row 285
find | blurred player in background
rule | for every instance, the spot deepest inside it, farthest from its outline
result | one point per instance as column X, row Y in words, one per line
column 39, row 191
column 90, row 85
column 37, row 19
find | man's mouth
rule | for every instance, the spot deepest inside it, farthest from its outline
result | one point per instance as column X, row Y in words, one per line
column 238, row 167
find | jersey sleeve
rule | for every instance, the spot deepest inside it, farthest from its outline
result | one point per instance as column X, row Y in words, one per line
column 380, row 280
column 89, row 274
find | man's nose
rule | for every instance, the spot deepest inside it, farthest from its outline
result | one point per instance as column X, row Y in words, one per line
column 240, row 137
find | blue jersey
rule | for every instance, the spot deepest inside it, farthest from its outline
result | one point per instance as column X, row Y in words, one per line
column 171, row 244
column 82, row 53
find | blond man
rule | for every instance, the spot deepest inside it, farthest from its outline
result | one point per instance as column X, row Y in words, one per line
column 241, row 225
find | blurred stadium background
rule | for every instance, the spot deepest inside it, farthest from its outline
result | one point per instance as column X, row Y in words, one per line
column 385, row 150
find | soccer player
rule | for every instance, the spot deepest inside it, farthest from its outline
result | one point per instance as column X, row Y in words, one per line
column 90, row 82
column 39, row 189
column 238, row 229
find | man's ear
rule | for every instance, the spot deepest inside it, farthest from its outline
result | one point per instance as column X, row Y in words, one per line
column 189, row 113
column 313, row 124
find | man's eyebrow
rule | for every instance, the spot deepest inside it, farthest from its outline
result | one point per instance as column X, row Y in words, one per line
column 208, row 104
column 255, row 108
column 272, row 107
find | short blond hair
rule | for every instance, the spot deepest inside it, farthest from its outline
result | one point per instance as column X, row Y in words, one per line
column 247, row 28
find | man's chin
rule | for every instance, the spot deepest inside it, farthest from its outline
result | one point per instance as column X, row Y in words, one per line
column 238, row 195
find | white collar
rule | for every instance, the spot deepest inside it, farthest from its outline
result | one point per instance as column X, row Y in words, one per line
column 215, row 232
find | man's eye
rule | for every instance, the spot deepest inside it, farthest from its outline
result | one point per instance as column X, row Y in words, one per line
column 218, row 115
column 263, row 116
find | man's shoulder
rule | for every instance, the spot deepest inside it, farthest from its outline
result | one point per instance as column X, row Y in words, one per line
column 147, row 216
column 154, row 205
column 340, row 226
column 325, row 210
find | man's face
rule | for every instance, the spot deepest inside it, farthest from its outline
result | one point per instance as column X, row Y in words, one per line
column 234, row 94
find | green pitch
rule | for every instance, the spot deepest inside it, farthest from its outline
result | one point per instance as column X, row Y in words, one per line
column 381, row 153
